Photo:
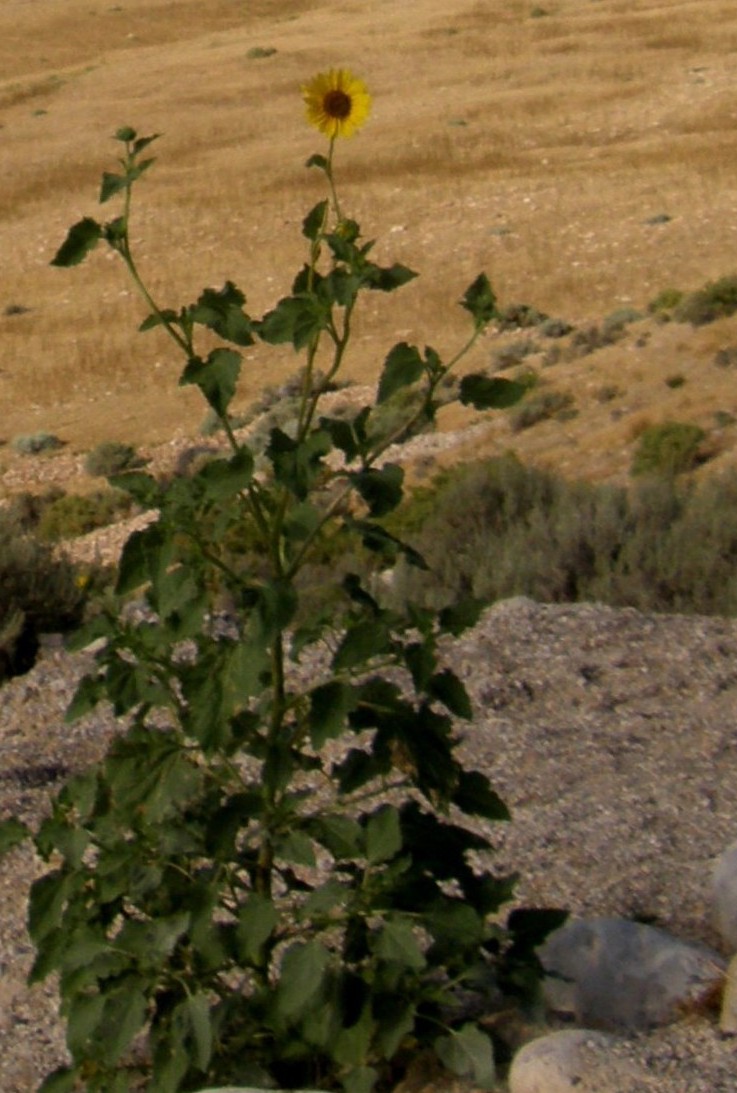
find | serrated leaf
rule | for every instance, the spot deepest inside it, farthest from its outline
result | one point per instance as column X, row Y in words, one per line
column 257, row 920
column 388, row 278
column 46, row 904
column 221, row 310
column 222, row 478
column 61, row 1080
column 341, row 835
column 397, row 944
column 469, row 1054
column 296, row 847
column 124, row 1015
column 403, row 366
column 12, row 833
column 82, row 238
column 145, row 554
column 383, row 835
column 475, row 797
column 380, row 488
column 490, row 393
column 83, row 1015
column 330, row 705
column 479, row 300
column 314, row 223
column 198, row 1013
column 460, row 616
column 448, row 689
column 301, row 979
column 216, row 377
column 111, row 185
column 362, row 642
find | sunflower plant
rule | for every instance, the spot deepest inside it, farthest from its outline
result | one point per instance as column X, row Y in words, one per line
column 271, row 878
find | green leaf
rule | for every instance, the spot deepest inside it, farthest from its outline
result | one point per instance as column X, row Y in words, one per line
column 383, row 835
column 83, row 1015
column 296, row 465
column 475, row 797
column 342, row 836
column 111, row 185
column 216, row 377
column 154, row 941
column 151, row 773
column 349, row 436
column 12, row 832
column 125, row 134
column 145, row 554
column 46, row 905
column 330, row 705
column 296, row 319
column 388, row 278
column 81, row 239
column 362, row 642
column 257, row 920
column 221, row 310
column 296, row 847
column 317, row 160
column 314, row 223
column 469, row 1054
column 403, row 366
column 123, row 1016
column 448, row 689
column 480, row 301
column 460, row 616
column 197, row 1009
column 303, row 972
column 398, row 944
column 351, row 1046
column 360, row 1079
column 142, row 487
column 61, row 1080
column 485, row 393
column 222, row 478
column 380, row 488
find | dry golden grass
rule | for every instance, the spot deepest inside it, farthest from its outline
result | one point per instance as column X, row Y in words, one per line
column 534, row 148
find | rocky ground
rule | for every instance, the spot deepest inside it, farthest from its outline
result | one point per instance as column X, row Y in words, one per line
column 611, row 735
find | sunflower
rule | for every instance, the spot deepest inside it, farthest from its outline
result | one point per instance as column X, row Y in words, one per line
column 337, row 103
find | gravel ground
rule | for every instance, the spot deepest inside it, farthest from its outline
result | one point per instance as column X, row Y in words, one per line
column 611, row 735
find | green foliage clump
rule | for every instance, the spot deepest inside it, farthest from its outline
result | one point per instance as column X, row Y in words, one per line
column 40, row 593
column 36, row 443
column 277, row 875
column 715, row 300
column 111, row 457
column 670, row 448
column 665, row 302
column 541, row 406
column 497, row 528
column 73, row 514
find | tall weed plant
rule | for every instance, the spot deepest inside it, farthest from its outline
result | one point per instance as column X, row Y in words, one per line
column 277, row 876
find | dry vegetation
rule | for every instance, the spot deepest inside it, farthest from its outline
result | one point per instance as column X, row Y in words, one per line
column 537, row 142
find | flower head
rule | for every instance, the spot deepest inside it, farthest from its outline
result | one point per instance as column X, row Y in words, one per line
column 337, row 103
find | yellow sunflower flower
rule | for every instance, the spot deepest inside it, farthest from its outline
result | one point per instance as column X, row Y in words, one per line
column 337, row 103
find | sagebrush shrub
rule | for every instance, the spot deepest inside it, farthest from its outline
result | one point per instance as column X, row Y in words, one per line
column 111, row 457
column 669, row 448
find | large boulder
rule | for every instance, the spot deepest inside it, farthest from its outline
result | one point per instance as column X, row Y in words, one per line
column 575, row 1061
column 615, row 974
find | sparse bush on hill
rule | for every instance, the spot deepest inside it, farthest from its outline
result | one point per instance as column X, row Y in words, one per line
column 497, row 528
column 542, row 405
column 75, row 514
column 40, row 593
column 112, row 457
column 715, row 300
column 213, row 918
column 36, row 443
column 668, row 449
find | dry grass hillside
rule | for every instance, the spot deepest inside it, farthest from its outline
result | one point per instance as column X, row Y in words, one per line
column 581, row 152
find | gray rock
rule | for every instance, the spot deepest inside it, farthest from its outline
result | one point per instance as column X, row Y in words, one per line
column 724, row 896
column 616, row 974
column 574, row 1061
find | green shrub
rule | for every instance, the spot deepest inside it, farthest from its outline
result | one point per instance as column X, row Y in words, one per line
column 509, row 355
column 669, row 448
column 675, row 380
column 497, row 528
column 111, row 457
column 36, row 443
column 39, row 593
column 213, row 918
column 541, row 406
column 77, row 514
column 714, row 301
column 665, row 302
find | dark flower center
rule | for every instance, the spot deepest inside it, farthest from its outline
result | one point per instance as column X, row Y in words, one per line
column 337, row 104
